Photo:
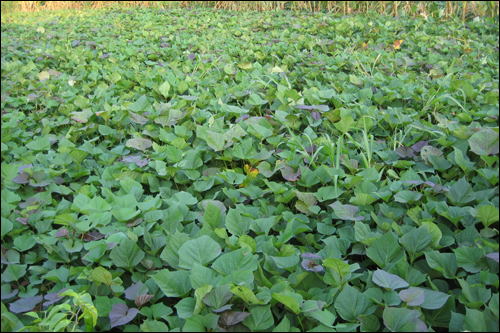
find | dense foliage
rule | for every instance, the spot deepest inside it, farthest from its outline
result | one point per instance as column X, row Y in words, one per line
column 207, row 170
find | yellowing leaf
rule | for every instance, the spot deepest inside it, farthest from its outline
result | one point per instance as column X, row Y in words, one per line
column 251, row 171
column 245, row 65
column 397, row 44
column 251, row 175
column 43, row 75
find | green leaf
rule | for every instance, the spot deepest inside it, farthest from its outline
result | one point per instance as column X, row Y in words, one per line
column 385, row 250
column 355, row 80
column 246, row 295
column 211, row 216
column 201, row 250
column 255, row 100
column 337, row 270
column 400, row 319
column 370, row 323
column 473, row 296
column 127, row 254
column 13, row 272
column 236, row 223
column 39, row 144
column 201, row 275
column 285, row 326
column 10, row 322
column 171, row 251
column 493, row 305
column 345, row 124
column 350, row 304
column 244, row 150
column 125, row 214
column 261, row 318
column 153, row 326
column 164, row 88
column 215, row 140
column 190, row 160
column 468, row 258
column 218, row 297
column 484, row 142
column 6, row 226
column 173, row 283
column 433, row 299
column 141, row 105
column 407, row 196
column 388, row 280
column 241, row 259
column 57, row 275
column 487, row 214
column 445, row 263
column 475, row 321
column 416, row 240
column 24, row 242
column 460, row 193
column 292, row 300
column 185, row 307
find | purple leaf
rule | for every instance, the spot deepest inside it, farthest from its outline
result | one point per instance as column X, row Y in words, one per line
column 493, row 256
column 58, row 180
column 316, row 115
column 242, row 118
column 23, row 178
column 414, row 182
column 111, row 246
column 346, row 212
column 23, row 220
column 192, row 56
column 143, row 299
column 309, row 265
column 22, row 167
column 438, row 188
column 311, row 255
column 25, row 304
column 53, row 297
column 93, row 236
column 10, row 294
column 304, row 107
column 105, row 55
column 63, row 232
column 39, row 180
column 421, row 326
column 231, row 318
column 311, row 149
column 121, row 314
column 404, row 152
column 136, row 159
column 140, row 144
column 223, row 308
column 412, row 296
column 136, row 290
column 287, row 173
column 31, row 201
column 417, row 147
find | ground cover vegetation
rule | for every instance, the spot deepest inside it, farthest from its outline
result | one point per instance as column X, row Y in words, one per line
column 207, row 170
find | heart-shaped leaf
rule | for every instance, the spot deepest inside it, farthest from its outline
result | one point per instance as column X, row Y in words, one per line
column 120, row 314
